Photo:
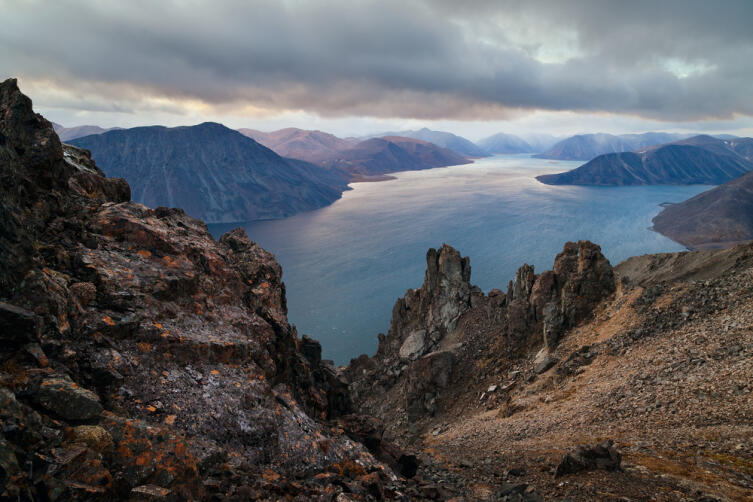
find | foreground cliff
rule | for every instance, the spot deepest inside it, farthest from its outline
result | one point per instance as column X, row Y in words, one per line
column 140, row 359
column 586, row 382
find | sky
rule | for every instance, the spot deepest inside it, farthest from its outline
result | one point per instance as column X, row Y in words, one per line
column 355, row 68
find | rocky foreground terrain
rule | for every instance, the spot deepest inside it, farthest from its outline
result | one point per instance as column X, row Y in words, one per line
column 140, row 359
column 646, row 365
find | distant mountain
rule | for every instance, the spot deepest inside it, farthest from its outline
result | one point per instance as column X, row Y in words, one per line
column 742, row 147
column 717, row 218
column 379, row 156
column 540, row 142
column 698, row 160
column 311, row 146
column 505, row 143
column 589, row 146
column 212, row 172
column 68, row 133
column 447, row 140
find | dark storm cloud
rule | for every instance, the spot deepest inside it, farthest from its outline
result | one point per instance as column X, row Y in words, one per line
column 424, row 59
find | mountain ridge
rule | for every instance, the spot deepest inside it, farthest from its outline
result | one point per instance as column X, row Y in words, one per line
column 684, row 162
column 714, row 219
column 505, row 143
column 588, row 146
column 213, row 172
column 442, row 139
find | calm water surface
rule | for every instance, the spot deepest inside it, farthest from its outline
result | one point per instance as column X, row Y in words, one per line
column 345, row 265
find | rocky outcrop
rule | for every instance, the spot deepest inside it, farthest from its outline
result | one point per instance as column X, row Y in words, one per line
column 142, row 359
column 424, row 316
column 434, row 338
column 558, row 299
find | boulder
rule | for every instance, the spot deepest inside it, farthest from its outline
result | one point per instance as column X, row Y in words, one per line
column 543, row 361
column 602, row 456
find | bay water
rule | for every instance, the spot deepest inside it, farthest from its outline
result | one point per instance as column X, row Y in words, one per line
column 345, row 265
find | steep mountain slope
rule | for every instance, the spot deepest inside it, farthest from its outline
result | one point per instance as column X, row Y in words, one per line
column 69, row 133
column 376, row 157
column 589, row 146
column 140, row 359
column 671, row 164
column 714, row 219
column 457, row 144
column 505, row 143
column 212, row 172
column 311, row 146
column 654, row 355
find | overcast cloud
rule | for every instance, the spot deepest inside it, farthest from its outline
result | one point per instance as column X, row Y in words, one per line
column 670, row 61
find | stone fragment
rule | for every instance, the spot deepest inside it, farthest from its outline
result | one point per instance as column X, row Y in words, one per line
column 94, row 436
column 145, row 493
column 67, row 400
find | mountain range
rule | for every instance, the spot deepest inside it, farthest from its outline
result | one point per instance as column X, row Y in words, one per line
column 370, row 159
column 505, row 143
column 447, row 140
column 698, row 160
column 311, row 146
column 376, row 157
column 589, row 146
column 69, row 133
column 212, row 172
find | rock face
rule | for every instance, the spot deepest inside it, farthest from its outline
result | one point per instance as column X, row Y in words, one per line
column 432, row 333
column 138, row 352
column 212, row 172
column 426, row 315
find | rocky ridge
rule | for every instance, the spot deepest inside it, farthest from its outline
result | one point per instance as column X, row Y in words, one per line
column 428, row 337
column 499, row 403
